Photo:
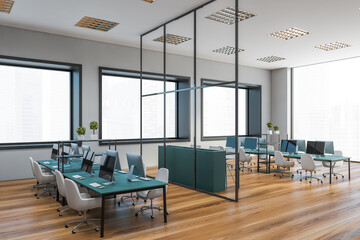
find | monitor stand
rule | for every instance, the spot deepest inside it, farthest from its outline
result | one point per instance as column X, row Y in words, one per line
column 109, row 183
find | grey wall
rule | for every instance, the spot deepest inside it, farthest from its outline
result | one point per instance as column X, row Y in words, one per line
column 91, row 54
column 280, row 99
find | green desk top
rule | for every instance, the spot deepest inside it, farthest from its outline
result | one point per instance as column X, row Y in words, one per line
column 72, row 165
column 121, row 185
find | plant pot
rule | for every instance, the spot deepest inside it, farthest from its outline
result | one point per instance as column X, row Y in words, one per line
column 94, row 136
column 269, row 131
column 81, row 137
column 276, row 132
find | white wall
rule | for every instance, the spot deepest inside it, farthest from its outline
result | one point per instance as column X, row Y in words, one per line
column 30, row 44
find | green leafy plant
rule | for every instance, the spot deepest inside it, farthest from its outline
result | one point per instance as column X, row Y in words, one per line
column 276, row 128
column 81, row 130
column 269, row 124
column 94, row 125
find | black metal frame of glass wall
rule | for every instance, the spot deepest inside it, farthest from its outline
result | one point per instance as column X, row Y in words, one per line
column 194, row 88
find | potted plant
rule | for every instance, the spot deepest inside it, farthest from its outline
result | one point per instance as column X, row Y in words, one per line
column 269, row 125
column 81, row 132
column 94, row 125
column 276, row 129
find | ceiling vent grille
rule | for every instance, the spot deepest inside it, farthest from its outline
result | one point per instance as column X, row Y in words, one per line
column 271, row 59
column 6, row 6
column 332, row 46
column 96, row 24
column 227, row 16
column 149, row 1
column 172, row 39
column 227, row 50
column 290, row 33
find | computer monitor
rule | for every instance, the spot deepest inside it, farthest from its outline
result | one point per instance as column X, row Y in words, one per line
column 230, row 142
column 251, row 143
column 66, row 150
column 284, row 144
column 329, row 147
column 315, row 147
column 107, row 169
column 136, row 161
column 262, row 143
column 55, row 151
column 74, row 148
column 87, row 162
column 301, row 145
column 85, row 148
column 115, row 154
column 291, row 146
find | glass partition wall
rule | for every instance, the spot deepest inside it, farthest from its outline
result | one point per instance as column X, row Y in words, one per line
column 199, row 45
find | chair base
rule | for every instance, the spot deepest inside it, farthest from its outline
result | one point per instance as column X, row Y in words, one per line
column 45, row 190
column 242, row 166
column 151, row 207
column 311, row 177
column 128, row 197
column 334, row 174
column 84, row 220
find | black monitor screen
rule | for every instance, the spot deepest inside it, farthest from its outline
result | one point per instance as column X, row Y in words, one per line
column 107, row 169
column 54, row 152
column 291, row 146
column 315, row 147
column 87, row 162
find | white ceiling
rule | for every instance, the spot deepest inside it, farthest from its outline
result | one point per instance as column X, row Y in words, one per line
column 326, row 20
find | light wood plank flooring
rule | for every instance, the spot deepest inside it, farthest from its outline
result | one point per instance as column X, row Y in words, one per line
column 269, row 208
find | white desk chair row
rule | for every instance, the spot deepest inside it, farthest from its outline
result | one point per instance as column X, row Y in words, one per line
column 46, row 179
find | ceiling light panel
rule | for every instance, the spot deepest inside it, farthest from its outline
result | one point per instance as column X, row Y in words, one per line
column 227, row 50
column 290, row 33
column 96, row 24
column 271, row 59
column 149, row 1
column 172, row 39
column 227, row 16
column 332, row 46
column 6, row 6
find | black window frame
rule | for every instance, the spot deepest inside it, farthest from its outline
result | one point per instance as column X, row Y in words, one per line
column 75, row 71
column 246, row 86
column 105, row 71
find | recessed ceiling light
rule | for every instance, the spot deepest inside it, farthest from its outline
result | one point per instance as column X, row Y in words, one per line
column 271, row 59
column 149, row 1
column 290, row 33
column 227, row 15
column 227, row 50
column 172, row 39
column 96, row 24
column 6, row 6
column 332, row 46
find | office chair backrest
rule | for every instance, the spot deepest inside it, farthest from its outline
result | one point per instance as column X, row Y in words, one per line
column 60, row 183
column 74, row 148
column 338, row 153
column 37, row 171
column 163, row 176
column 242, row 154
column 307, row 162
column 279, row 159
column 219, row 148
column 32, row 165
column 73, row 195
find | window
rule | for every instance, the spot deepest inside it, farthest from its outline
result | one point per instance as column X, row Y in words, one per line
column 218, row 113
column 326, row 105
column 34, row 104
column 120, row 106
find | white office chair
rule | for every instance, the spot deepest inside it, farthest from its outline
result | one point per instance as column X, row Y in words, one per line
column 43, row 169
column 228, row 165
column 334, row 165
column 80, row 202
column 243, row 158
column 282, row 163
column 60, row 182
column 43, row 178
column 163, row 176
column 308, row 164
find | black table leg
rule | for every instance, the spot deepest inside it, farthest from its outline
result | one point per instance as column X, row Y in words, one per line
column 102, row 216
column 57, row 195
column 63, row 201
column 258, row 164
column 164, row 204
column 349, row 168
column 330, row 171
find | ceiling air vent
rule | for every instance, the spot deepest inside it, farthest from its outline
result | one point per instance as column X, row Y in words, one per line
column 332, row 46
column 227, row 50
column 290, row 33
column 149, row 1
column 6, row 6
column 227, row 16
column 172, row 39
column 271, row 59
column 96, row 24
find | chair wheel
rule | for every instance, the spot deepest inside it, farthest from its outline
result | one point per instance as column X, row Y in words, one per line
column 73, row 231
column 280, row 176
column 60, row 214
column 152, row 217
column 318, row 180
column 343, row 177
column 336, row 177
column 300, row 180
column 292, row 176
column 321, row 181
column 96, row 229
column 305, row 178
column 136, row 214
column 58, row 209
column 80, row 213
column 274, row 175
column 67, row 226
column 133, row 204
column 145, row 200
column 118, row 203
column 167, row 213
column 309, row 181
column 35, row 195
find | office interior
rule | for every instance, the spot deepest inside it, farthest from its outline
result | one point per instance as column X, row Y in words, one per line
column 211, row 117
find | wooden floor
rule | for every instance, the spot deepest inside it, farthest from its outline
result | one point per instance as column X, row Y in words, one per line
column 269, row 208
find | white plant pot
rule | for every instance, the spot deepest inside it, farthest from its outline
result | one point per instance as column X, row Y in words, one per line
column 81, row 137
column 276, row 132
column 94, row 136
column 269, row 131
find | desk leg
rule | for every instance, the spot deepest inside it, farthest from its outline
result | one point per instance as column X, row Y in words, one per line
column 164, row 204
column 57, row 195
column 258, row 164
column 330, row 163
column 349, row 168
column 102, row 216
